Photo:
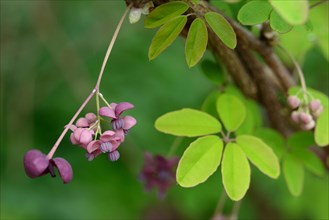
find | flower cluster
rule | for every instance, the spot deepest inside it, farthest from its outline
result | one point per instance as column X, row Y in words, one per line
column 38, row 164
column 87, row 131
column 305, row 113
column 158, row 172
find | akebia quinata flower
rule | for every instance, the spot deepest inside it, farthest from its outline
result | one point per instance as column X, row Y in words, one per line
column 37, row 164
column 158, row 172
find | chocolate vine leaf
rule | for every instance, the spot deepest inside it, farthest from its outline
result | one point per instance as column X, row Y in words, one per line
column 273, row 139
column 235, row 171
column 199, row 161
column 293, row 172
column 261, row 155
column 212, row 71
column 222, row 28
column 231, row 111
column 253, row 118
column 166, row 36
column 164, row 13
column 196, row 42
column 278, row 24
column 209, row 104
column 188, row 122
column 254, row 12
column 322, row 129
column 293, row 12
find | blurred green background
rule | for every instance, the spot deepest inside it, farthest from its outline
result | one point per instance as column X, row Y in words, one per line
column 51, row 53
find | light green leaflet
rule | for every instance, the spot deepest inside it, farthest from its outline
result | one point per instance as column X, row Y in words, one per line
column 188, row 122
column 278, row 24
column 235, row 172
column 199, row 161
column 254, row 12
column 196, row 42
column 166, row 36
column 260, row 155
column 231, row 111
column 221, row 28
column 322, row 129
column 164, row 13
column 273, row 139
column 293, row 12
column 294, row 174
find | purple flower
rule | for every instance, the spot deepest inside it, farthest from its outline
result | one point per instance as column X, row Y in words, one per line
column 37, row 164
column 158, row 172
column 114, row 112
column 108, row 143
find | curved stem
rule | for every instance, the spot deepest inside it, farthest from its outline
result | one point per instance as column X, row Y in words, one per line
column 220, row 204
column 235, row 210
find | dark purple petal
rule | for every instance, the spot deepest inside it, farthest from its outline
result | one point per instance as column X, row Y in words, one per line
column 123, row 106
column 35, row 163
column 108, row 112
column 64, row 169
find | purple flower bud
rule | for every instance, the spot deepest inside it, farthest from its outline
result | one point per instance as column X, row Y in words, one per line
column 83, row 135
column 309, row 125
column 293, row 101
column 295, row 116
column 315, row 105
column 114, row 156
column 305, row 118
column 35, row 163
column 64, row 169
column 91, row 117
column 106, row 147
column 82, row 123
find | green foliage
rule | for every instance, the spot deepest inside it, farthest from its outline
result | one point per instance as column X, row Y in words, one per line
column 212, row 71
column 293, row 12
column 166, row 36
column 322, row 129
column 196, row 42
column 199, row 161
column 188, row 122
column 231, row 111
column 294, row 174
column 164, row 13
column 260, row 155
column 222, row 28
column 209, row 104
column 278, row 24
column 235, row 172
column 253, row 118
column 273, row 139
column 254, row 12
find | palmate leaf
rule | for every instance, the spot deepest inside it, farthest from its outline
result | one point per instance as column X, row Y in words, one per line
column 260, row 155
column 254, row 12
column 196, row 42
column 231, row 111
column 235, row 172
column 166, row 36
column 293, row 12
column 199, row 161
column 164, row 13
column 222, row 28
column 188, row 122
column 293, row 172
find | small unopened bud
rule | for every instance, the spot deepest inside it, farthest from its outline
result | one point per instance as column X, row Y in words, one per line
column 293, row 101
column 315, row 105
column 309, row 125
column 305, row 118
column 295, row 116
column 147, row 7
column 135, row 15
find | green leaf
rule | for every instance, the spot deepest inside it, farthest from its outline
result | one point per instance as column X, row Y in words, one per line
column 322, row 129
column 164, row 13
column 166, row 36
column 273, row 139
column 209, row 104
column 196, row 42
column 253, row 118
column 231, row 111
column 278, row 24
column 212, row 71
column 260, row 155
column 221, row 28
column 294, row 174
column 310, row 161
column 254, row 12
column 199, row 161
column 235, row 172
column 188, row 122
column 301, row 140
column 223, row 7
column 293, row 12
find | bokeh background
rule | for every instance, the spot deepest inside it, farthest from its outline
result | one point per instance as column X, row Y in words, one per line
column 51, row 53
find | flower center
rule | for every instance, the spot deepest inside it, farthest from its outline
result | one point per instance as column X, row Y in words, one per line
column 106, row 147
column 117, row 123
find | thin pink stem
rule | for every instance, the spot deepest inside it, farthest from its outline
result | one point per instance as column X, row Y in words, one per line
column 95, row 90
